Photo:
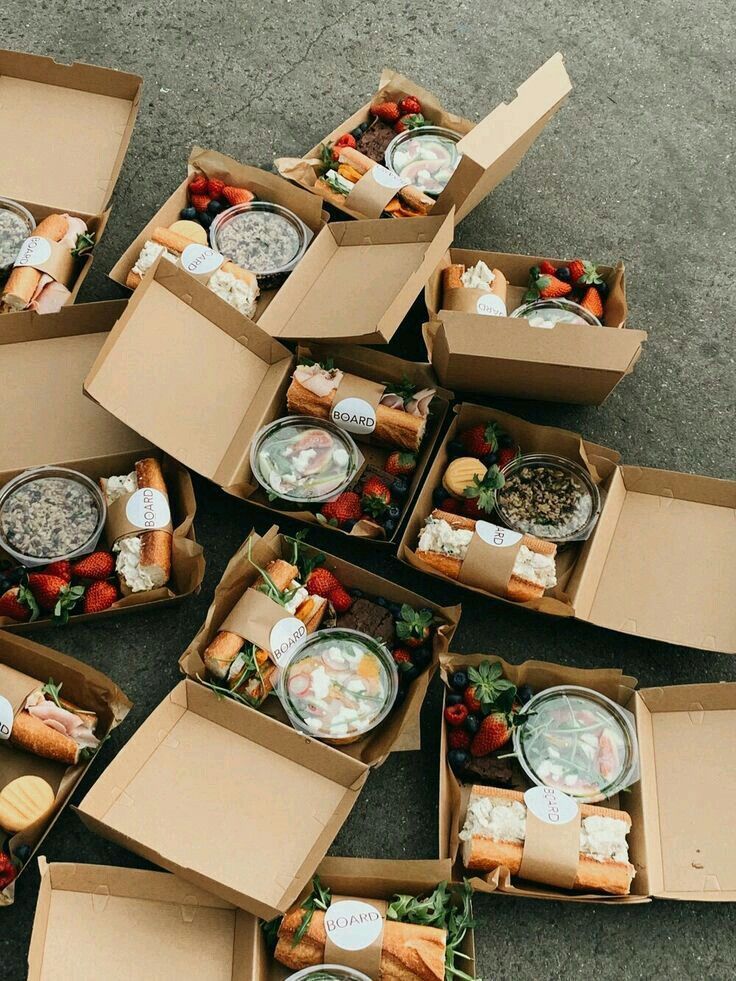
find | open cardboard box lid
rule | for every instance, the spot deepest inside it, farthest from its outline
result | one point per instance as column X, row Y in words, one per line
column 70, row 125
column 278, row 798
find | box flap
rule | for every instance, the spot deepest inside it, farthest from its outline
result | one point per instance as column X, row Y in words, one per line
column 686, row 759
column 129, row 923
column 43, row 361
column 187, row 371
column 662, row 560
column 70, row 125
column 275, row 798
column 493, row 148
column 358, row 280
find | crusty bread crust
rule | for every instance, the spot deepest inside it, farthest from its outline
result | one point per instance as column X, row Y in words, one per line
column 23, row 280
column 452, row 277
column 176, row 243
column 34, row 736
column 155, row 545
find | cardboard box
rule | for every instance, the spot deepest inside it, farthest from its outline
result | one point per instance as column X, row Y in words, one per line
column 206, row 939
column 679, row 848
column 71, row 127
column 490, row 149
column 224, row 385
column 660, row 561
column 507, row 356
column 43, row 360
column 401, row 730
column 87, row 688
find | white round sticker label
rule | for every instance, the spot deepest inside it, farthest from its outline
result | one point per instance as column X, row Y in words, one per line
column 550, row 805
column 491, row 305
column 199, row 260
column 495, row 535
column 34, row 250
column 352, row 925
column 354, row 415
column 148, row 509
column 6, row 718
column 287, row 636
column 386, row 178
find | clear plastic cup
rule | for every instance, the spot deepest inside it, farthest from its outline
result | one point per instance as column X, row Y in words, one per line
column 328, row 972
column 339, row 685
column 579, row 742
column 16, row 224
column 549, row 313
column 50, row 513
column 426, row 156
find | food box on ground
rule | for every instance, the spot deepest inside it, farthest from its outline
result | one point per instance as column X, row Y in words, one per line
column 541, row 517
column 63, row 551
column 403, row 154
column 56, row 181
column 620, row 753
column 519, row 325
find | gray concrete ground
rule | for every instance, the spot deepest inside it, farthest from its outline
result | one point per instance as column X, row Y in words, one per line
column 638, row 165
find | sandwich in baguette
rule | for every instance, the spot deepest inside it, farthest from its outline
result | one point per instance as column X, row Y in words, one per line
column 400, row 420
column 409, row 201
column 495, row 828
column 230, row 282
column 444, row 541
column 478, row 277
column 143, row 561
column 53, row 728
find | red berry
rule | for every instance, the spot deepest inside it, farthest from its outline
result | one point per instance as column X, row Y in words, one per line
column 482, row 439
column 495, row 731
column 14, row 606
column 376, row 497
column 455, row 715
column 100, row 596
column 98, row 565
column 320, row 582
column 387, row 111
column 505, row 456
column 198, row 185
column 215, row 187
column 592, row 302
column 470, row 699
column 458, row 739
column 401, row 656
column 400, row 463
column 347, row 140
column 8, row 871
column 200, row 201
column 345, row 507
column 62, row 568
column 341, row 599
column 451, row 505
column 547, row 268
column 237, row 195
column 410, row 105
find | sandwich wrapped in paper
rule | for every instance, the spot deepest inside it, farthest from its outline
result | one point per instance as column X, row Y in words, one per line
column 354, row 184
column 45, row 724
column 477, row 289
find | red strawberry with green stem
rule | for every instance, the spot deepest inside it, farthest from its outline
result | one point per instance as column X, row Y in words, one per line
column 400, row 463
column 495, row 731
column 321, row 582
column 410, row 105
column 19, row 603
column 551, row 288
column 100, row 596
column 482, row 439
column 54, row 595
column 345, row 507
column 547, row 268
column 591, row 302
column 488, row 689
column 376, row 497
column 97, row 565
column 198, row 185
column 387, row 111
column 480, row 496
column 341, row 599
column 414, row 627
column 583, row 272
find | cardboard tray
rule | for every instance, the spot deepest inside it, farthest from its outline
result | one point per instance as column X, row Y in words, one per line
column 401, row 730
column 71, row 127
column 206, row 938
column 680, row 848
column 660, row 562
column 43, row 360
column 507, row 356
column 225, row 384
column 83, row 685
column 490, row 149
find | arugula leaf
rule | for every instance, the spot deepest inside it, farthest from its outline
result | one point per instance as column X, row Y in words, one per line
column 271, row 932
column 280, row 596
column 439, row 909
column 405, row 389
column 319, row 898
column 52, row 690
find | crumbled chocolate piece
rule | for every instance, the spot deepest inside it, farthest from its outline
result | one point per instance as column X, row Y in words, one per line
column 375, row 140
column 487, row 770
column 369, row 618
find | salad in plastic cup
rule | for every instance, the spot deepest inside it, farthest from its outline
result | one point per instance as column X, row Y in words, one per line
column 549, row 313
column 426, row 157
column 339, row 685
column 303, row 460
column 579, row 742
column 328, row 972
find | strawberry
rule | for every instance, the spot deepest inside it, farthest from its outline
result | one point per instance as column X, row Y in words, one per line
column 62, row 568
column 320, row 582
column 215, row 187
column 414, row 626
column 376, row 497
column 237, row 195
column 401, row 656
column 387, row 111
column 100, row 596
column 341, row 599
column 198, row 184
column 347, row 140
column 487, row 689
column 506, row 455
column 482, row 439
column 400, row 463
column 19, row 603
column 495, row 731
column 47, row 589
column 591, row 302
column 412, row 121
column 345, row 507
column 481, row 494
column 458, row 739
column 200, row 201
column 550, row 287
column 582, row 271
column 409, row 105
column 98, row 565
column 455, row 715
column 547, row 268
column 8, row 871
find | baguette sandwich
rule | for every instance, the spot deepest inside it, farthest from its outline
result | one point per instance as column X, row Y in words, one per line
column 143, row 561
column 444, row 541
column 409, row 201
column 53, row 728
column 399, row 422
column 478, row 277
column 495, row 829
column 230, row 282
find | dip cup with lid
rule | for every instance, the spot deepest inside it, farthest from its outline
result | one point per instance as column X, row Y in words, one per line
column 426, row 157
column 16, row 224
column 548, row 313
column 328, row 972
column 50, row 513
column 339, row 685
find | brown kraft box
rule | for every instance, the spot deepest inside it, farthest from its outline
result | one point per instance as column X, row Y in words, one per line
column 660, row 560
column 82, row 685
column 490, row 149
column 678, row 848
column 43, row 360
column 507, row 356
column 71, row 127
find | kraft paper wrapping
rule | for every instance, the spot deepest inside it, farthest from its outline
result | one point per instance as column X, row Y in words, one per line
column 353, row 387
column 253, row 618
column 59, row 265
column 368, row 959
column 551, row 851
column 487, row 566
column 465, row 299
column 369, row 197
column 16, row 687
column 118, row 525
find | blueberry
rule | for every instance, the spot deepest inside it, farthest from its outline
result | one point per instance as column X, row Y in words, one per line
column 563, row 273
column 421, row 658
column 409, row 674
column 459, row 680
column 525, row 693
column 204, row 219
column 453, row 698
column 489, row 459
column 23, row 853
column 472, row 724
column 188, row 214
column 395, row 610
column 458, row 760
column 382, row 601
column 364, row 126
column 455, row 449
column 356, row 133
column 214, row 207
column 393, row 511
column 438, row 496
column 390, row 526
column 602, row 289
column 356, row 593
column 348, row 525
column 400, row 487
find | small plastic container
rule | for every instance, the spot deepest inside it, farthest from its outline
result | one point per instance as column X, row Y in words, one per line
column 16, row 224
column 426, row 156
column 264, row 238
column 304, row 461
column 579, row 742
column 548, row 496
column 548, row 313
column 328, row 972
column 339, row 685
column 50, row 513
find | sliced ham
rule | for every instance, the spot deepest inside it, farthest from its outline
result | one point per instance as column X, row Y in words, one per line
column 317, row 379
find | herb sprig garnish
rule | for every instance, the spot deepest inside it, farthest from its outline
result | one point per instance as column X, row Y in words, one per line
column 405, row 389
column 268, row 586
column 53, row 691
column 305, row 563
